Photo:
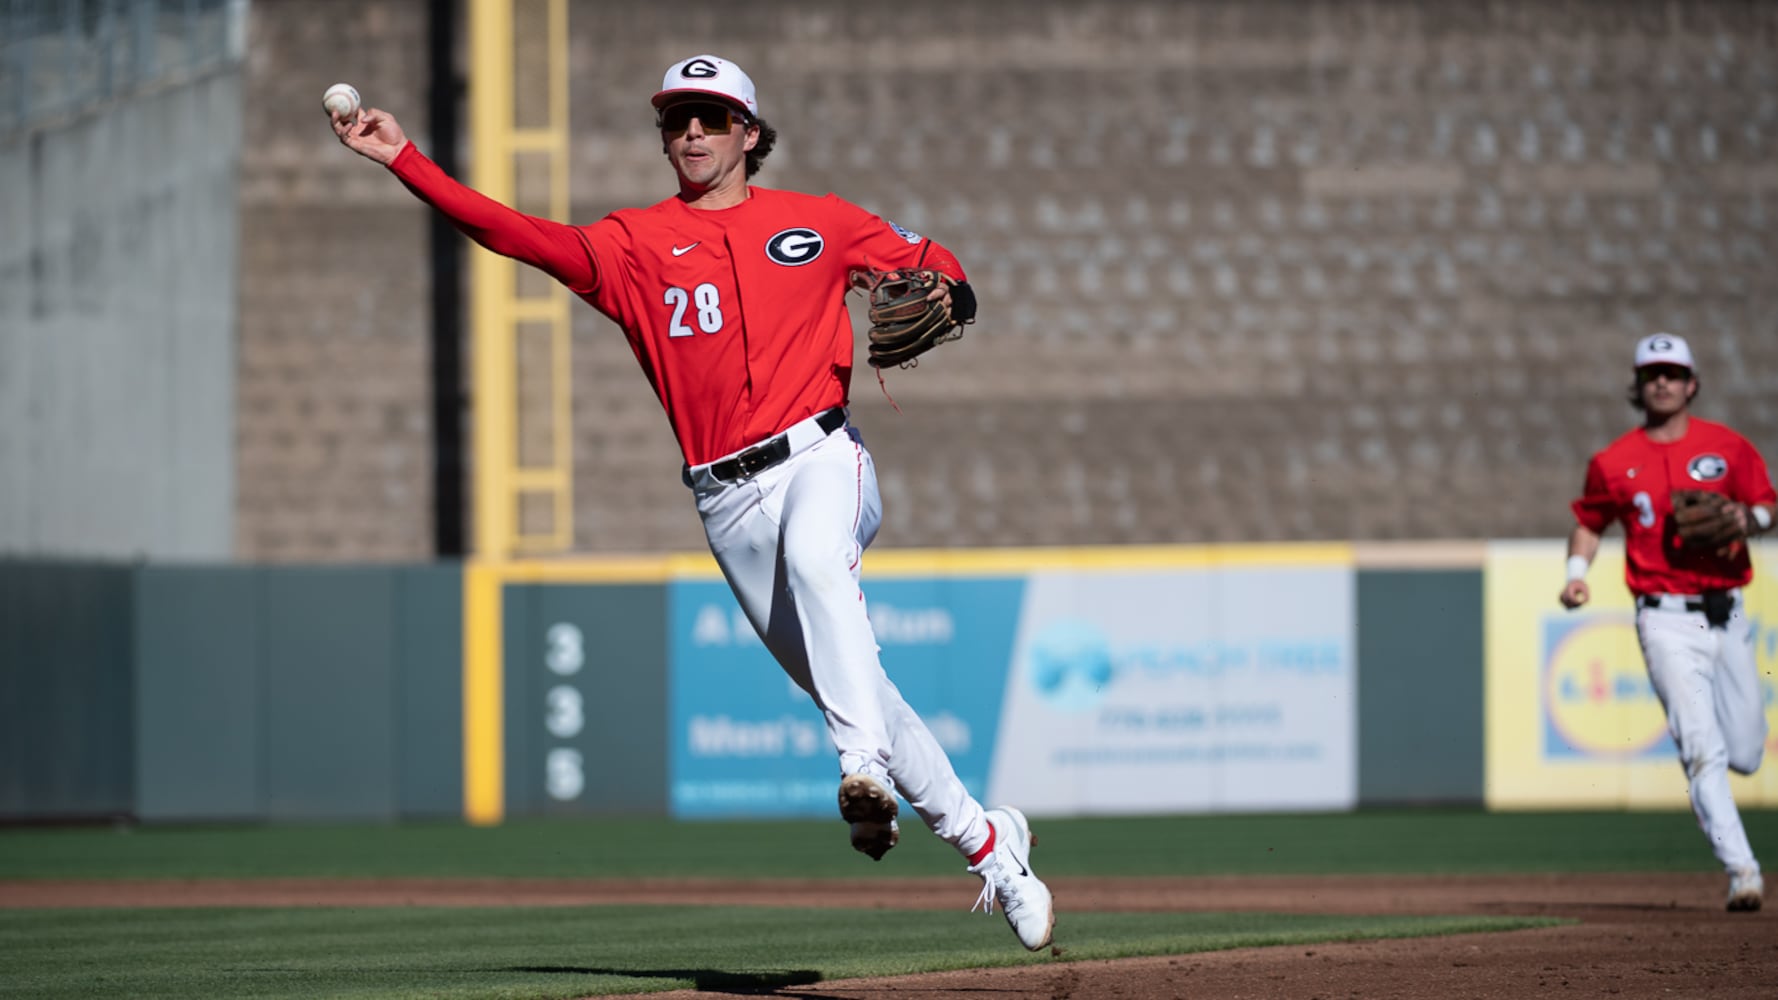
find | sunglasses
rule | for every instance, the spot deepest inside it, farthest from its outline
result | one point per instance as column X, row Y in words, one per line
column 1672, row 373
column 716, row 119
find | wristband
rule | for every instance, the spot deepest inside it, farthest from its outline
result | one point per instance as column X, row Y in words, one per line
column 1761, row 517
column 1577, row 568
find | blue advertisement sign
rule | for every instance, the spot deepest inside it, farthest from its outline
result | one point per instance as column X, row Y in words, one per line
column 746, row 741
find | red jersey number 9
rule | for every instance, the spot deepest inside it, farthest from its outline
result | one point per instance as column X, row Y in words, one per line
column 707, row 302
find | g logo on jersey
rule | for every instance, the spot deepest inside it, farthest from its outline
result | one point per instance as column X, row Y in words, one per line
column 699, row 69
column 1707, row 468
column 795, row 247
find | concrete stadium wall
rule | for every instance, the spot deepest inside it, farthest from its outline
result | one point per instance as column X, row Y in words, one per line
column 334, row 435
column 1271, row 271
column 1276, row 270
column 118, row 273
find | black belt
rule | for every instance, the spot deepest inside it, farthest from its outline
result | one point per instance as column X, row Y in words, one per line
column 766, row 454
column 1651, row 601
column 1717, row 606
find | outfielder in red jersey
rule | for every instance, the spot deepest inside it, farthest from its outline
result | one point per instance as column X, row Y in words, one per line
column 1689, row 612
column 733, row 299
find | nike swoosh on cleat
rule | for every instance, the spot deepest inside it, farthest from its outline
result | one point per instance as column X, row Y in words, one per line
column 680, row 252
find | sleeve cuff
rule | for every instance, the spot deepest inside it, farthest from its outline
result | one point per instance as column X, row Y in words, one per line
column 408, row 150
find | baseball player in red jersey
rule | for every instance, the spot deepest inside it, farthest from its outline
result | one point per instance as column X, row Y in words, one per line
column 733, row 299
column 1689, row 613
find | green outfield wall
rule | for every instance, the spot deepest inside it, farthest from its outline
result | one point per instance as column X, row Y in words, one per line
column 297, row 693
column 66, row 689
column 1419, row 686
column 586, row 699
column 243, row 693
column 201, row 693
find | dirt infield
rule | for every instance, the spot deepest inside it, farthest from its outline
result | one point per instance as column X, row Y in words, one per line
column 1639, row 936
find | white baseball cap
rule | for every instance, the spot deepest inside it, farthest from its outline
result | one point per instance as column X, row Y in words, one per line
column 712, row 77
column 1663, row 349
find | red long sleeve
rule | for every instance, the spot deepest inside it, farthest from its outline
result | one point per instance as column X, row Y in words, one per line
column 557, row 249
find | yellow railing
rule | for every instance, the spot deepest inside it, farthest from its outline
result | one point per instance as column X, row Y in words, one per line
column 518, row 122
column 519, row 350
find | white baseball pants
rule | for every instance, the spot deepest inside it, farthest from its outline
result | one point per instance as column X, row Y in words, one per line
column 1709, row 685
column 791, row 542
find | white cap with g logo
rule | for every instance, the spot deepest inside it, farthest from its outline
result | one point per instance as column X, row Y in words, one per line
column 1663, row 349
column 709, row 76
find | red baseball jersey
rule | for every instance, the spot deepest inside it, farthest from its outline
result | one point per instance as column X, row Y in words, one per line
column 1632, row 480
column 737, row 315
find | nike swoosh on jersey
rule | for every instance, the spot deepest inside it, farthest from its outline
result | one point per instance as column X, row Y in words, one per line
column 682, row 251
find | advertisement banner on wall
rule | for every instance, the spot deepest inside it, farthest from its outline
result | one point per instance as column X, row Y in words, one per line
column 1571, row 717
column 1221, row 688
column 745, row 741
column 1064, row 691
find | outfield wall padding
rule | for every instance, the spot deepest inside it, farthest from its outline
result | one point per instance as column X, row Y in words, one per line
column 586, row 699
column 299, row 693
column 1419, row 687
column 66, row 687
column 197, row 649
column 246, row 693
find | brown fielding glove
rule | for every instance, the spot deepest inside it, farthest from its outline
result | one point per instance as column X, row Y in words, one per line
column 1703, row 519
column 904, row 322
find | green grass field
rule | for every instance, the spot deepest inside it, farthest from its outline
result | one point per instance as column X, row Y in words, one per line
column 576, row 951
column 581, row 951
column 1405, row 841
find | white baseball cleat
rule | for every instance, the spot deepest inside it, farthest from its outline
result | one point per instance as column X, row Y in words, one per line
column 1746, row 889
column 1007, row 879
column 868, row 803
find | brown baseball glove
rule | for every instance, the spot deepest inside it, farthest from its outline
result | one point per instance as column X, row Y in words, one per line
column 905, row 321
column 1704, row 519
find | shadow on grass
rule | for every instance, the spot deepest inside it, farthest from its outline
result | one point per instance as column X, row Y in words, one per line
column 703, row 979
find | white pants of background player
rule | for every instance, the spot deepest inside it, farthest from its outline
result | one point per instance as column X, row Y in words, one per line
column 791, row 541
column 1709, row 685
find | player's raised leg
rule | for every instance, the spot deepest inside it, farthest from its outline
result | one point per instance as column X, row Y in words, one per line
column 830, row 514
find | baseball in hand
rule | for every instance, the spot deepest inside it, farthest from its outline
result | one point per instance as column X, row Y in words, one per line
column 341, row 98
